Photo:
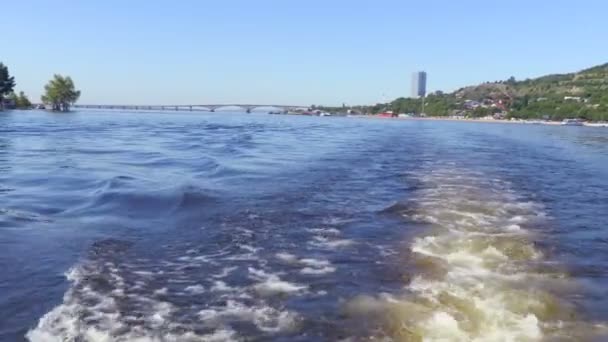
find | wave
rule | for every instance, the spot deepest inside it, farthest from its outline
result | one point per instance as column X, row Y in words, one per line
column 119, row 294
column 130, row 196
column 478, row 274
column 115, row 297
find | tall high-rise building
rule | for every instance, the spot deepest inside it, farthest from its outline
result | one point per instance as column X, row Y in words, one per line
column 419, row 84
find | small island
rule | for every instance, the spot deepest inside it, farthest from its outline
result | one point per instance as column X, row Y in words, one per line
column 59, row 93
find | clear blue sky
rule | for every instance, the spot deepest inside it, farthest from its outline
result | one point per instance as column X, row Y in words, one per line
column 292, row 52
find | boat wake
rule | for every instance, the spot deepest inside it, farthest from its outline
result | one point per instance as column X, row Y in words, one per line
column 116, row 297
column 477, row 274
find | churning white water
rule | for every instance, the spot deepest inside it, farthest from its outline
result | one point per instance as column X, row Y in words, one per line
column 478, row 275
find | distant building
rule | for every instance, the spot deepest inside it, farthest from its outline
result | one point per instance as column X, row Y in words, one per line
column 419, row 84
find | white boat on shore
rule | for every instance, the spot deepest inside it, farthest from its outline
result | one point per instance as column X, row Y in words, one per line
column 572, row 122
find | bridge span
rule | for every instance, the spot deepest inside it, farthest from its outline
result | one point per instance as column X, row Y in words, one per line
column 191, row 108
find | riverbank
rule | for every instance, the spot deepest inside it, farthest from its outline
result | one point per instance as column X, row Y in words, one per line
column 528, row 122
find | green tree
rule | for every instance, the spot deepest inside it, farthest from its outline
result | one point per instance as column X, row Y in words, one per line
column 12, row 97
column 7, row 83
column 60, row 93
column 22, row 101
column 481, row 112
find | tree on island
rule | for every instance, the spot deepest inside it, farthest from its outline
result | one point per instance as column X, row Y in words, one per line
column 23, row 102
column 60, row 93
column 20, row 101
column 12, row 97
column 7, row 83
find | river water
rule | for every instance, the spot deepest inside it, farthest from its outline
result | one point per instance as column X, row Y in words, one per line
column 226, row 226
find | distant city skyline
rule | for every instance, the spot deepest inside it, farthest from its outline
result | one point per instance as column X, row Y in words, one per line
column 313, row 52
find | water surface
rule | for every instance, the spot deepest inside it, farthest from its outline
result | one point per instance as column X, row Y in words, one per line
column 188, row 227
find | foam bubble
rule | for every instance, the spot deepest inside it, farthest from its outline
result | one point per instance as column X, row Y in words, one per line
column 264, row 317
column 324, row 242
column 225, row 272
column 286, row 257
column 197, row 289
column 311, row 266
column 318, row 271
column 220, row 286
column 270, row 284
column 324, row 231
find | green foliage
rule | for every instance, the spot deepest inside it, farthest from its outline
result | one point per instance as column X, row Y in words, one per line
column 556, row 97
column 440, row 104
column 22, row 101
column 7, row 83
column 480, row 112
column 547, row 96
column 60, row 93
column 12, row 97
column 406, row 105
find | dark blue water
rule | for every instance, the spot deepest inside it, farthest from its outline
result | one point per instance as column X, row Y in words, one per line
column 190, row 227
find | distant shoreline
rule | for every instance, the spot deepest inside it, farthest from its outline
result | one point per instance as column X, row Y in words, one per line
column 521, row 122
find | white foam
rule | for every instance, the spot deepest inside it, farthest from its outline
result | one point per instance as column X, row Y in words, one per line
column 479, row 287
column 249, row 248
column 324, row 242
column 274, row 285
column 225, row 272
column 311, row 266
column 161, row 291
column 270, row 284
column 220, row 335
column 220, row 286
column 314, row 262
column 196, row 289
column 324, row 231
column 88, row 315
column 336, row 220
column 264, row 317
column 286, row 257
column 318, row 271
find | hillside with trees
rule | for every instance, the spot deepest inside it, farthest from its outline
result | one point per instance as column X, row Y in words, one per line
column 582, row 94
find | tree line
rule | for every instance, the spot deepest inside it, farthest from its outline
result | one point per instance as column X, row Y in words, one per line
column 59, row 93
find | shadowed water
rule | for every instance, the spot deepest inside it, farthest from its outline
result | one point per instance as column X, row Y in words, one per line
column 226, row 226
